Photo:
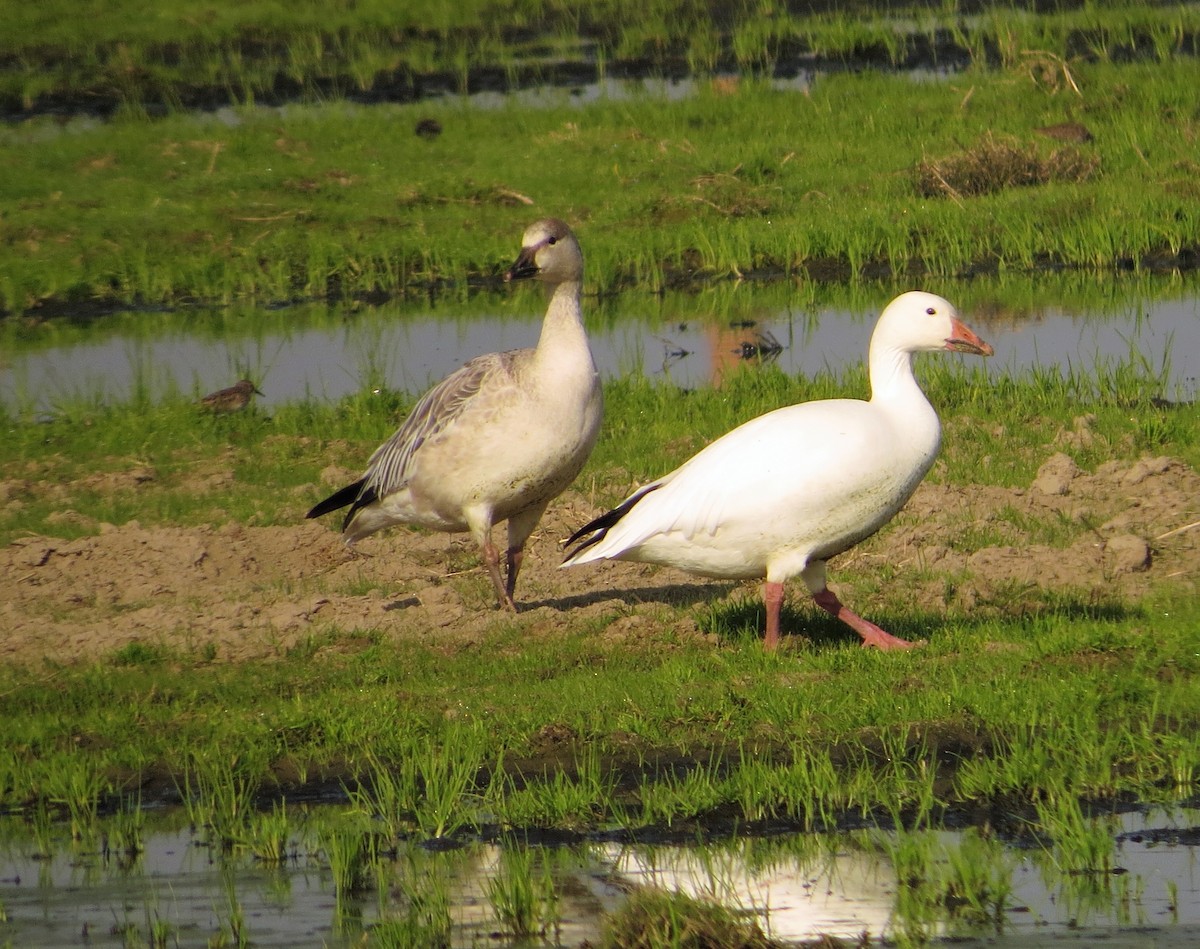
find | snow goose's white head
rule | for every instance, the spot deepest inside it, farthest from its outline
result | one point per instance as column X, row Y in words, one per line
column 549, row 252
column 924, row 322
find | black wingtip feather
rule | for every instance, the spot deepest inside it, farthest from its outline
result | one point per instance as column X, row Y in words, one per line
column 599, row 532
column 365, row 497
column 339, row 499
column 594, row 531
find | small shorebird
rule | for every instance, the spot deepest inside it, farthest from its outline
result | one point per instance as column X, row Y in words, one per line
column 1075, row 132
column 498, row 439
column 233, row 399
column 428, row 128
column 783, row 493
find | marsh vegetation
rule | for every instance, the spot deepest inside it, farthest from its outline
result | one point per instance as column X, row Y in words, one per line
column 337, row 200
column 173, row 634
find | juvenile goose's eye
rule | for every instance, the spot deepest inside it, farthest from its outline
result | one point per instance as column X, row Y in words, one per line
column 552, row 240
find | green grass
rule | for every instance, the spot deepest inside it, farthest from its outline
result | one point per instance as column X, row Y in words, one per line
column 337, row 200
column 401, row 892
column 1066, row 705
column 523, row 895
column 657, row 919
column 145, row 460
column 261, row 51
column 964, row 886
column 1070, row 701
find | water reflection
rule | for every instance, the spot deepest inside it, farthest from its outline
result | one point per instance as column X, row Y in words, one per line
column 844, row 892
column 911, row 885
column 689, row 340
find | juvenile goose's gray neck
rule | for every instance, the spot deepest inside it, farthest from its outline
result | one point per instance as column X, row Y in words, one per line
column 562, row 326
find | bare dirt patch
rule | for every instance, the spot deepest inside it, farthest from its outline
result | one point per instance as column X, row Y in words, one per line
column 235, row 592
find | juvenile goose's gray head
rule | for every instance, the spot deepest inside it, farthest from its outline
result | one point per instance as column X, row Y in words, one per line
column 549, row 252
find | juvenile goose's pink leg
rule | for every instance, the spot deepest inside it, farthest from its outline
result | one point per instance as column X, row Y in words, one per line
column 871, row 634
column 491, row 560
column 773, row 601
column 515, row 556
column 520, row 527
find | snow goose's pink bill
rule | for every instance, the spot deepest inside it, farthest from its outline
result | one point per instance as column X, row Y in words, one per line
column 963, row 340
column 782, row 494
column 498, row 439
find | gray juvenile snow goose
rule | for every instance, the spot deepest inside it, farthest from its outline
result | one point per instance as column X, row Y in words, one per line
column 498, row 439
column 783, row 493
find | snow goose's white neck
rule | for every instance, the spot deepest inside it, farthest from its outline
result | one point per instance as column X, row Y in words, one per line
column 914, row 322
column 890, row 368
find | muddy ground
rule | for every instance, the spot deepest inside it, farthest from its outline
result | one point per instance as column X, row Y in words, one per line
column 234, row 592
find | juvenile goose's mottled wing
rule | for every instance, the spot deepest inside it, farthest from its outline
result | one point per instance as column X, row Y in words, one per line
column 440, row 408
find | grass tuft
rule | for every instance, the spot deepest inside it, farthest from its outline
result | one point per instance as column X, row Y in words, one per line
column 995, row 164
column 656, row 919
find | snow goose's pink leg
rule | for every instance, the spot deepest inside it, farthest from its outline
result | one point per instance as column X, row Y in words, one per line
column 871, row 634
column 773, row 601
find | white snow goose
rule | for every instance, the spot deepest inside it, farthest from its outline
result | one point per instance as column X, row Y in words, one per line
column 783, row 493
column 498, row 439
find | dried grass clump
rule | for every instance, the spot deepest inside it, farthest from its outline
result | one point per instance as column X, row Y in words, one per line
column 994, row 164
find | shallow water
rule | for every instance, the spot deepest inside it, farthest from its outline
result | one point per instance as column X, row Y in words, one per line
column 57, row 892
column 689, row 339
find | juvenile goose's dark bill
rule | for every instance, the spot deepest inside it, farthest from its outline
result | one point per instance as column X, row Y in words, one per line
column 962, row 340
column 524, row 267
